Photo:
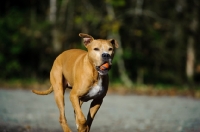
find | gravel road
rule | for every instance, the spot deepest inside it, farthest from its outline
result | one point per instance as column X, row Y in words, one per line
column 23, row 111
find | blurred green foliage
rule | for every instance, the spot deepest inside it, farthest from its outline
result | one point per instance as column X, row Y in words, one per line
column 154, row 36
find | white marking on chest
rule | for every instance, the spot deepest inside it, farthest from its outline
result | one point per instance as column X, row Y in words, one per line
column 77, row 126
column 96, row 89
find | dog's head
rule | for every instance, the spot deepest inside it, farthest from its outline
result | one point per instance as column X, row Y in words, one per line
column 100, row 51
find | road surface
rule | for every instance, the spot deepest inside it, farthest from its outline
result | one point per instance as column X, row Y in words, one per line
column 23, row 111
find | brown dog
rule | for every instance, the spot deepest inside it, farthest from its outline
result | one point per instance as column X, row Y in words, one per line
column 84, row 73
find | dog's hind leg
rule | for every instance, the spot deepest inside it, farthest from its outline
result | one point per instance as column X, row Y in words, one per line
column 59, row 91
column 59, row 97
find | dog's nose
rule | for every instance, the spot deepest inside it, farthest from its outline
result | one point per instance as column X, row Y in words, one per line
column 105, row 55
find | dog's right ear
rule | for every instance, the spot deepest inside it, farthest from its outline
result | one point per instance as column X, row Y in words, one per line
column 86, row 38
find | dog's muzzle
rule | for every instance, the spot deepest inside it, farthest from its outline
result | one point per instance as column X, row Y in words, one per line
column 106, row 59
column 103, row 72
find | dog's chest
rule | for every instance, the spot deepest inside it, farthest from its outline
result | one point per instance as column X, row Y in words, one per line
column 95, row 91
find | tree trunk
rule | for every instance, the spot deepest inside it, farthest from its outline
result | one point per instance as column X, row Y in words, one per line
column 191, row 50
column 190, row 59
column 52, row 19
column 52, row 11
column 114, row 33
column 56, row 32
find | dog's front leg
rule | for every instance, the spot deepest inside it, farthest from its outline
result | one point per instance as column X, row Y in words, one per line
column 94, row 107
column 80, row 118
column 80, row 103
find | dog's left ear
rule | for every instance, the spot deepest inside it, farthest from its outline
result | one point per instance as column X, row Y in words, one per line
column 114, row 43
column 86, row 38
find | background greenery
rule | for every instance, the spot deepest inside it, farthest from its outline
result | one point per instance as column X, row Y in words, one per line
column 156, row 37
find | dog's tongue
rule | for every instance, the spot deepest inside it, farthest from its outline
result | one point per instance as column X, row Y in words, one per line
column 105, row 66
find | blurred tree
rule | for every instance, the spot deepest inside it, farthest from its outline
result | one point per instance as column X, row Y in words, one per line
column 113, row 32
column 193, row 24
column 158, row 39
column 58, row 21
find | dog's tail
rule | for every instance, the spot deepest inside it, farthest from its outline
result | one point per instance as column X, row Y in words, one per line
column 48, row 91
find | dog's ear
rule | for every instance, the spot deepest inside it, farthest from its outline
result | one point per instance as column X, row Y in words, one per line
column 86, row 38
column 114, row 43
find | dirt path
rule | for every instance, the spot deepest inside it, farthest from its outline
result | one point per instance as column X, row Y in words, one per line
column 22, row 111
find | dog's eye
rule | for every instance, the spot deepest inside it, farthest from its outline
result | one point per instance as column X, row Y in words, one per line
column 96, row 49
column 110, row 49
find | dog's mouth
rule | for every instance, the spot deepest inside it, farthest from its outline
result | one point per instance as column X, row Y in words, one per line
column 104, row 68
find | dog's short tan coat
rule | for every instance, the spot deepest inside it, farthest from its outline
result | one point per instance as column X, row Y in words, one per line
column 79, row 70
